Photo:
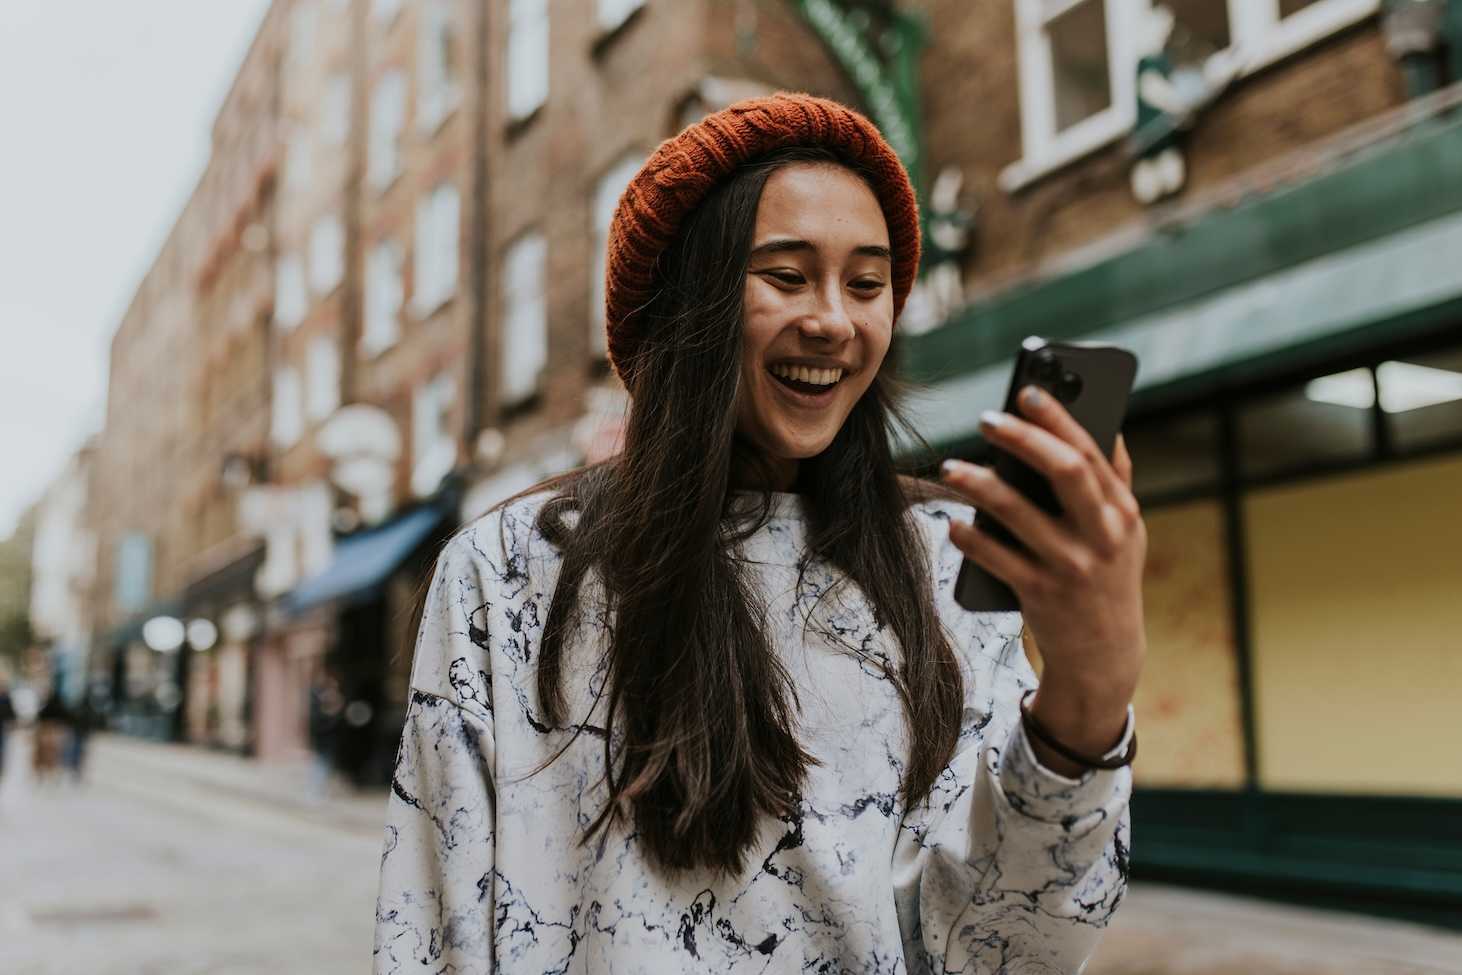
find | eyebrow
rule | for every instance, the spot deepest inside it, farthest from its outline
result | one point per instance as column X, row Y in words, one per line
column 786, row 244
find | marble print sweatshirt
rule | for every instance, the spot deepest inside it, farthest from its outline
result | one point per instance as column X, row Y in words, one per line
column 1006, row 867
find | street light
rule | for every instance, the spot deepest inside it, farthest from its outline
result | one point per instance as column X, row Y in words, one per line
column 163, row 634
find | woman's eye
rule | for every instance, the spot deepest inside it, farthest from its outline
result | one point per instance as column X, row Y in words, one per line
column 785, row 277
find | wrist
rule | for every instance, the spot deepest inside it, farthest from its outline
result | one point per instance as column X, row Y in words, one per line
column 1085, row 718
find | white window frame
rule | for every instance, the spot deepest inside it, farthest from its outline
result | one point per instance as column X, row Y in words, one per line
column 1256, row 29
column 436, row 253
column 607, row 191
column 437, row 91
column 322, row 365
column 291, row 294
column 612, row 13
column 384, row 290
column 523, row 351
column 327, row 254
column 527, row 62
column 387, row 122
column 286, row 408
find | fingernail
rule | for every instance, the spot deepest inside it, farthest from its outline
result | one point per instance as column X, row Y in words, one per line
column 1032, row 397
column 947, row 468
column 993, row 419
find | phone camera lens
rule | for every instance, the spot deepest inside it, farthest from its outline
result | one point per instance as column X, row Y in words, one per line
column 1046, row 367
column 1068, row 388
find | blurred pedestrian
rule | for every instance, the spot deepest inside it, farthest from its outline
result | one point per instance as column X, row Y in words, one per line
column 52, row 731
column 709, row 705
column 326, row 705
column 83, row 720
column 7, row 717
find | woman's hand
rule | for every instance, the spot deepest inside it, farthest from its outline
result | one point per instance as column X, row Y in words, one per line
column 1080, row 582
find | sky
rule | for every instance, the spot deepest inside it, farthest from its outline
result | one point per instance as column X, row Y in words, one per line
column 107, row 109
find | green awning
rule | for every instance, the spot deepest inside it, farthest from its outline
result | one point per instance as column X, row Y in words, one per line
column 1363, row 252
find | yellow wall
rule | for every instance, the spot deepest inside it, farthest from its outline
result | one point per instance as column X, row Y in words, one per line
column 1356, row 589
column 1188, row 701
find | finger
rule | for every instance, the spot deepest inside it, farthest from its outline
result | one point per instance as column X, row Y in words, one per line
column 1044, row 410
column 996, row 558
column 1047, row 539
column 1076, row 485
column 1122, row 461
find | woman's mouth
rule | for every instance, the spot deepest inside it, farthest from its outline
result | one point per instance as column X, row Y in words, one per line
column 806, row 385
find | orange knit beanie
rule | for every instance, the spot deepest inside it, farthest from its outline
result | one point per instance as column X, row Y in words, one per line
column 685, row 168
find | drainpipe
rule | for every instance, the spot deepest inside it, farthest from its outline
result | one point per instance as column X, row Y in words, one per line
column 1413, row 37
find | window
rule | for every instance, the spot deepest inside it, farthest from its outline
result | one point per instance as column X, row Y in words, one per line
column 303, row 26
column 134, row 572
column 327, row 254
column 385, row 10
column 433, row 448
column 286, row 421
column 324, row 373
column 435, row 268
column 612, row 13
column 525, row 319
column 337, row 108
column 290, row 299
column 1078, row 61
column 1304, row 428
column 436, row 77
column 388, row 118
column 606, row 198
column 527, row 56
column 298, row 161
column 383, row 292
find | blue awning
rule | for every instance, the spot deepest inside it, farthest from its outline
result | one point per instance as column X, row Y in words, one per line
column 364, row 561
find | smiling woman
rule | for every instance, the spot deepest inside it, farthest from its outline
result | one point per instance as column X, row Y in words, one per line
column 709, row 705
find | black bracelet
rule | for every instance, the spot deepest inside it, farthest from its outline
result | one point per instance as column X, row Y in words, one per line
column 1034, row 729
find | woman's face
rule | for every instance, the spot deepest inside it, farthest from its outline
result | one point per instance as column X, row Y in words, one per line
column 818, row 311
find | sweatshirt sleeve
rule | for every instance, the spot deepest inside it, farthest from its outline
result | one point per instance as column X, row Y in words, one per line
column 1007, row 866
column 434, row 910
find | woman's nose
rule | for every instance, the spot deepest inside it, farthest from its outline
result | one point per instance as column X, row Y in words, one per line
column 829, row 320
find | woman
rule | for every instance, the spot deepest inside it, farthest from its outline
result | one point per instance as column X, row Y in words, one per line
column 709, row 706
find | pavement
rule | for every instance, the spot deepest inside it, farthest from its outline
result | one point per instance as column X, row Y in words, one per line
column 177, row 860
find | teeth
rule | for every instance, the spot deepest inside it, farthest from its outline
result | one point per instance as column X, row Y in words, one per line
column 818, row 377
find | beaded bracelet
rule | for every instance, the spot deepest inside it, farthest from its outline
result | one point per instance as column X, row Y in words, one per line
column 1120, row 756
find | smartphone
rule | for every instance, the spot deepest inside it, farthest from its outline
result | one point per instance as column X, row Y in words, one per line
column 1094, row 382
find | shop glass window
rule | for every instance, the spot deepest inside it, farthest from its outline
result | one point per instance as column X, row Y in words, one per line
column 1325, row 422
column 1200, row 27
column 1288, row 8
column 1174, row 454
column 1422, row 398
column 525, row 319
column 433, row 447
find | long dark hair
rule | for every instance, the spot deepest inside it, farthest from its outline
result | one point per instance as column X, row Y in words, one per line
column 701, row 738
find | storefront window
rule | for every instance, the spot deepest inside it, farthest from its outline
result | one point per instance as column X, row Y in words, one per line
column 1422, row 397
column 1325, row 422
column 1174, row 454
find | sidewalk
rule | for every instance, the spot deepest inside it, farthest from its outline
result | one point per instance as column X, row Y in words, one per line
column 137, row 766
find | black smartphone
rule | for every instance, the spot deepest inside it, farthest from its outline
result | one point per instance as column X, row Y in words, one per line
column 1094, row 382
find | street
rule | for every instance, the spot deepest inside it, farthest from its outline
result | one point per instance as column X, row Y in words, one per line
column 179, row 861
